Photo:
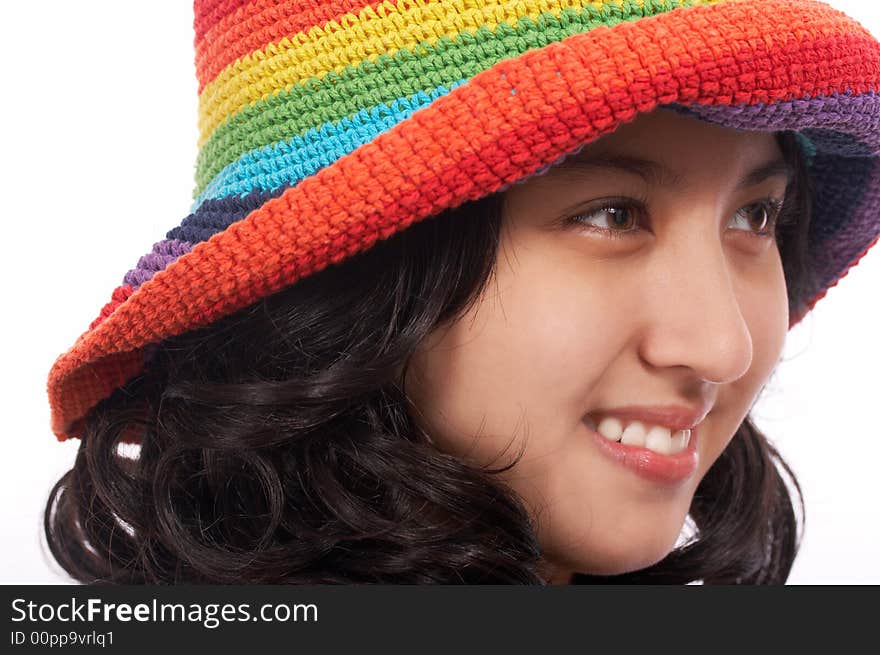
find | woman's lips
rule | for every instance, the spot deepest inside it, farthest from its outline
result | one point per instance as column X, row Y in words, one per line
column 650, row 465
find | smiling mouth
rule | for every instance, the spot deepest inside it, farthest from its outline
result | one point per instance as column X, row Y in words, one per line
column 646, row 460
column 657, row 438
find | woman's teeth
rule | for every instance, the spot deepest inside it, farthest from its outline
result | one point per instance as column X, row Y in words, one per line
column 653, row 437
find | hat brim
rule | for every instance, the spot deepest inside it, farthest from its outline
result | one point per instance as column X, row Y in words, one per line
column 769, row 65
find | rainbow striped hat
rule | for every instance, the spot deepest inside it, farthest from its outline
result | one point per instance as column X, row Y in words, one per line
column 325, row 126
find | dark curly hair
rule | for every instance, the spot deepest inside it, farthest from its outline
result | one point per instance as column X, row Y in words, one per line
column 275, row 446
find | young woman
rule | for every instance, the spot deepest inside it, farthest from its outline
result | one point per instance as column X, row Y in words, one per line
column 474, row 294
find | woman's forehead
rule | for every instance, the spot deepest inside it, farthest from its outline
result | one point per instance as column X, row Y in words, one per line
column 664, row 147
column 668, row 131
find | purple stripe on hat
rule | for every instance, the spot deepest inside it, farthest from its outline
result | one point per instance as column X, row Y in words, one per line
column 212, row 216
column 164, row 252
column 841, row 113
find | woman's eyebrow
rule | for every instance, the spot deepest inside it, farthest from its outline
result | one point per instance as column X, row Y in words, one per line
column 655, row 173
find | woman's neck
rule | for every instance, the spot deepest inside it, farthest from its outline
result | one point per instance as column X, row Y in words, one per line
column 555, row 575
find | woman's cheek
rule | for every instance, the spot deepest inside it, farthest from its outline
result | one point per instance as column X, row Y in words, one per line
column 765, row 308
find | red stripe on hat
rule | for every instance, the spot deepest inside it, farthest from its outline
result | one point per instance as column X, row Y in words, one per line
column 249, row 27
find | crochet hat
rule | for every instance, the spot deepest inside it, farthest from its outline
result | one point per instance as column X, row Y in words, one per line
column 326, row 126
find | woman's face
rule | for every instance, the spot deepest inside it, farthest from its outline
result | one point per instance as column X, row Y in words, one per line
column 686, row 306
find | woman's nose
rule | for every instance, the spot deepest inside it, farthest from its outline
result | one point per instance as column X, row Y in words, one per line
column 695, row 316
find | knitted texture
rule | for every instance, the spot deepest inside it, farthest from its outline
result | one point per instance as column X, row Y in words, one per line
column 325, row 126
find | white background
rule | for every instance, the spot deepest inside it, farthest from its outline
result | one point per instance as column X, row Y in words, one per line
column 99, row 140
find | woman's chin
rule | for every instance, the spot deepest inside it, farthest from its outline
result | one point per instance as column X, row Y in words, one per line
column 619, row 558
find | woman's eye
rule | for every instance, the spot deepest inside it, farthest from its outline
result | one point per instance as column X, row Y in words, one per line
column 616, row 218
column 761, row 216
column 620, row 218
